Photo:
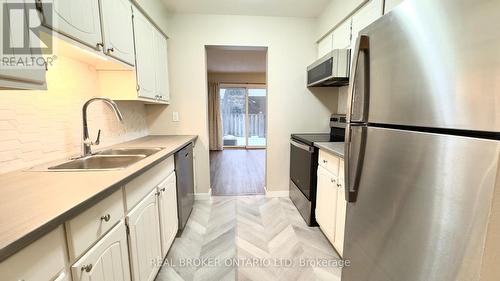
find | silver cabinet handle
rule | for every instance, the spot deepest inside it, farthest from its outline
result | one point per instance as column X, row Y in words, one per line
column 87, row 268
column 106, row 217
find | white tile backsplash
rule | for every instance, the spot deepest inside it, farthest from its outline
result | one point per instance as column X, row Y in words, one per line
column 40, row 126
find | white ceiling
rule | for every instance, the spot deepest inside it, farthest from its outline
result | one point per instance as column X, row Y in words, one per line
column 236, row 59
column 280, row 8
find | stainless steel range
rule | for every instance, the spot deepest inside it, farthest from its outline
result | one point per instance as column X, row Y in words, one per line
column 304, row 166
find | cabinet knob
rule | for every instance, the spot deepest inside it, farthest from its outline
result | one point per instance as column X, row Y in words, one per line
column 332, row 180
column 87, row 268
column 339, row 185
column 157, row 193
column 106, row 218
column 163, row 189
column 110, row 50
column 100, row 46
column 325, row 161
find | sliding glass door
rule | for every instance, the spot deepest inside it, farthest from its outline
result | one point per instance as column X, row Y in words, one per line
column 243, row 111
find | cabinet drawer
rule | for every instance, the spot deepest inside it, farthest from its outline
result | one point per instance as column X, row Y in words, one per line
column 43, row 260
column 85, row 229
column 329, row 162
column 141, row 186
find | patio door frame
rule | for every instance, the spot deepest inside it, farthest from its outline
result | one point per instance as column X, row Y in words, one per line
column 247, row 86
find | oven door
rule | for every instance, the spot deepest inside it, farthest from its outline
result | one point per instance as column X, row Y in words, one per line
column 302, row 160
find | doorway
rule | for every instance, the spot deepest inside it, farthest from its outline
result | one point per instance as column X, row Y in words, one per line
column 237, row 107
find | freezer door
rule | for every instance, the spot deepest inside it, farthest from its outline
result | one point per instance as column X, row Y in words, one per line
column 422, row 208
column 433, row 64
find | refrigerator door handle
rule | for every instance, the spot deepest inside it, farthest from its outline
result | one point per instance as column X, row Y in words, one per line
column 358, row 104
column 355, row 145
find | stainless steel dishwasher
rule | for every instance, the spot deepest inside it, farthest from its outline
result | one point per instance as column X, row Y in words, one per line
column 185, row 184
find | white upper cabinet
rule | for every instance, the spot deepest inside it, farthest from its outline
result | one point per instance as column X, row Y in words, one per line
column 79, row 20
column 145, row 49
column 14, row 75
column 118, row 31
column 365, row 16
column 341, row 38
column 107, row 260
column 161, row 62
column 151, row 60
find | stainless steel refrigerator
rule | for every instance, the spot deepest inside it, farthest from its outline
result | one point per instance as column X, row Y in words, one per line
column 423, row 145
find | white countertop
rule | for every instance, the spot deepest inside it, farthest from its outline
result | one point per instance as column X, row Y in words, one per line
column 336, row 148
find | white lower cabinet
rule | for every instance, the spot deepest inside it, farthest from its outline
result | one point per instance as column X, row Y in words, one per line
column 331, row 205
column 107, row 260
column 43, row 260
column 326, row 203
column 168, row 212
column 144, row 238
column 341, row 211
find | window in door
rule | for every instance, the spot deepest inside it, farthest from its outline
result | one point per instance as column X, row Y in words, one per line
column 243, row 111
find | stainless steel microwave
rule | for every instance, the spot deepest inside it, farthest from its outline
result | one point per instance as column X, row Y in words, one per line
column 332, row 70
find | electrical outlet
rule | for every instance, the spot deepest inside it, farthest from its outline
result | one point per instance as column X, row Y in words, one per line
column 175, row 116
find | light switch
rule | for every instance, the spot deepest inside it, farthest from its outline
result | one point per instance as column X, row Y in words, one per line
column 175, row 116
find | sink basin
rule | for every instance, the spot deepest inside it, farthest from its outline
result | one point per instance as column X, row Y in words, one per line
column 130, row 151
column 99, row 163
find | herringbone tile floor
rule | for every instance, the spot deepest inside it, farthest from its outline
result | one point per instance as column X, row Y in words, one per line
column 249, row 238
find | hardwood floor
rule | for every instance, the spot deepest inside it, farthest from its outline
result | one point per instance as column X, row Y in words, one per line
column 237, row 172
column 249, row 238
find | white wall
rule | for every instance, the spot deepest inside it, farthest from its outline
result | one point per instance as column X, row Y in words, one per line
column 41, row 126
column 292, row 108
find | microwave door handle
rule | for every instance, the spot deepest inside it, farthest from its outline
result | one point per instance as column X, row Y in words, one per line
column 362, row 45
column 302, row 146
column 354, row 154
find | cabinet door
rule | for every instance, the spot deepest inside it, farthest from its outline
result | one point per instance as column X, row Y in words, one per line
column 78, row 19
column 168, row 213
column 18, row 76
column 365, row 16
column 326, row 205
column 144, row 239
column 145, row 50
column 341, row 38
column 118, row 31
column 107, row 260
column 161, row 62
column 341, row 211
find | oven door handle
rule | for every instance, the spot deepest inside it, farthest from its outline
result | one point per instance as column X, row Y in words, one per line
column 302, row 146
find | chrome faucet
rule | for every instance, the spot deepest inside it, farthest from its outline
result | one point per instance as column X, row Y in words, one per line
column 87, row 143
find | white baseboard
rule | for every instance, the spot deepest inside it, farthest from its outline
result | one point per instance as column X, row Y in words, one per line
column 278, row 193
column 203, row 196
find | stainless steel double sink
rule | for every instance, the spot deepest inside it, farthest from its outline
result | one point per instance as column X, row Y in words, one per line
column 110, row 159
